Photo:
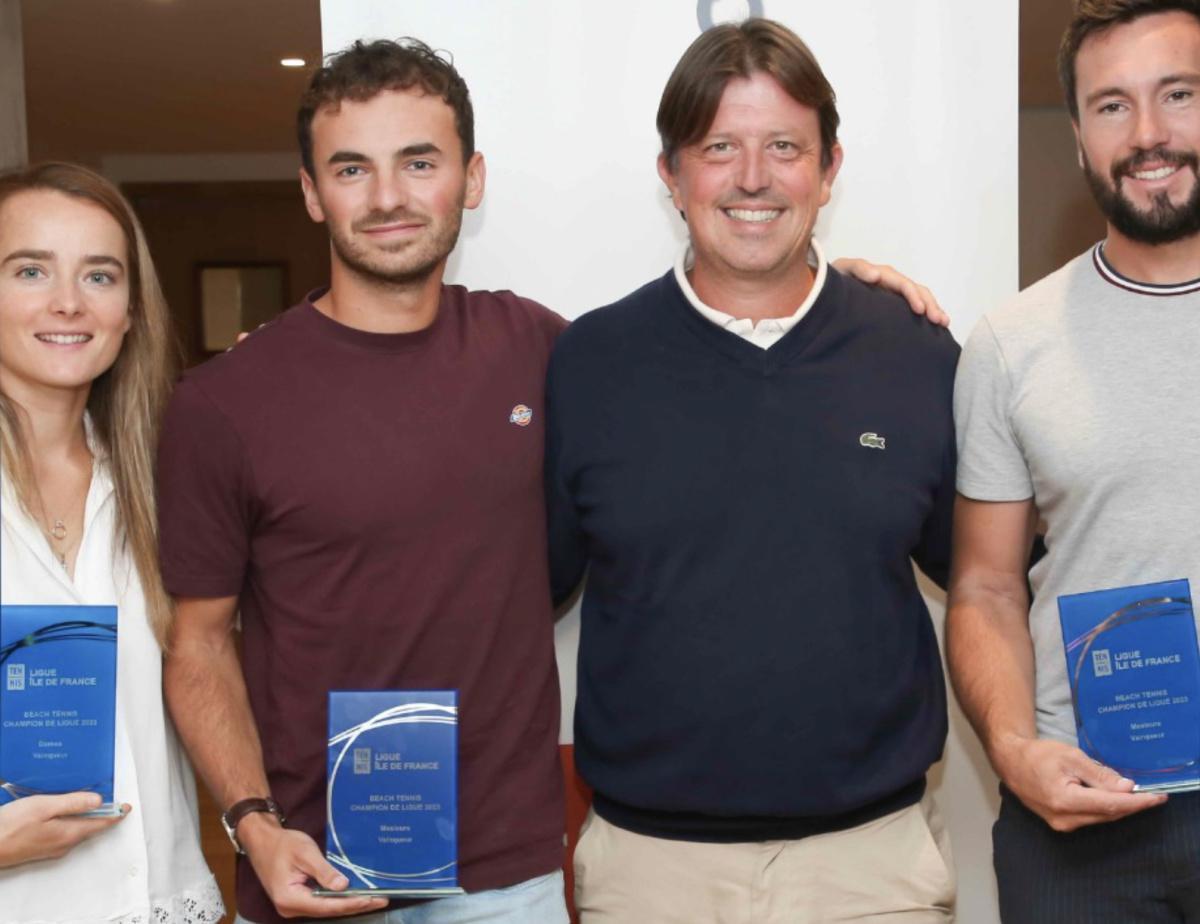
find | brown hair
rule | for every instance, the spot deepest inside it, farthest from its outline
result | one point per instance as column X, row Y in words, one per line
column 364, row 70
column 126, row 401
column 1095, row 16
column 693, row 92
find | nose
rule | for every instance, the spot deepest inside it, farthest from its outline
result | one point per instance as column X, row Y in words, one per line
column 1150, row 130
column 68, row 301
column 388, row 191
column 754, row 174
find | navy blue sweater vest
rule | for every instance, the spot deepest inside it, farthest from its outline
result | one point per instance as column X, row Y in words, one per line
column 756, row 660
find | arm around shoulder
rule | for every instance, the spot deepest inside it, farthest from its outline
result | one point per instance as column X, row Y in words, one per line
column 920, row 299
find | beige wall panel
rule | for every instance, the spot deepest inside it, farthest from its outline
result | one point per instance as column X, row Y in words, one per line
column 1059, row 219
column 188, row 224
column 13, row 143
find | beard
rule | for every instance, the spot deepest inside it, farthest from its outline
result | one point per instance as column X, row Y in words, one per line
column 403, row 263
column 1163, row 222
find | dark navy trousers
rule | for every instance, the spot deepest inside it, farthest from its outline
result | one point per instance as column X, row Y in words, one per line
column 1143, row 869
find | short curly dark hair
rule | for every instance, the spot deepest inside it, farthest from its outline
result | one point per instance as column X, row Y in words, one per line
column 1094, row 16
column 366, row 69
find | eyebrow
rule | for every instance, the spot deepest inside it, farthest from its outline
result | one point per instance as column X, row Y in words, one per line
column 101, row 259
column 29, row 255
column 346, row 157
column 416, row 150
column 1192, row 79
column 48, row 255
column 412, row 150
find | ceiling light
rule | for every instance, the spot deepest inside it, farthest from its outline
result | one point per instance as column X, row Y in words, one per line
column 292, row 62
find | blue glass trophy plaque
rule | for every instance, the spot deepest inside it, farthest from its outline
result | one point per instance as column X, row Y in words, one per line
column 58, row 701
column 1134, row 669
column 391, row 824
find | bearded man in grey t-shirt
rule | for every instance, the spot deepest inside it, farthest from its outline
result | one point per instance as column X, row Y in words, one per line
column 1079, row 405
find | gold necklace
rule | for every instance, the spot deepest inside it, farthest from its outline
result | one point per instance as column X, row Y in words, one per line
column 58, row 533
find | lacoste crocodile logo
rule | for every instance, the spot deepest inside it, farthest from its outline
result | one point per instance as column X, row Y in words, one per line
column 872, row 441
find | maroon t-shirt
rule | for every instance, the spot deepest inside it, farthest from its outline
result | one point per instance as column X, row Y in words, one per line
column 375, row 500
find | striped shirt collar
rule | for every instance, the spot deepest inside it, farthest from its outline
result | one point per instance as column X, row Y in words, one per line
column 1110, row 275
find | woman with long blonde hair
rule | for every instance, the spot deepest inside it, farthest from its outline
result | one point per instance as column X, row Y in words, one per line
column 85, row 372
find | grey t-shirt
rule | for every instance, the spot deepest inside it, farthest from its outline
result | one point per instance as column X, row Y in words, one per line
column 1084, row 394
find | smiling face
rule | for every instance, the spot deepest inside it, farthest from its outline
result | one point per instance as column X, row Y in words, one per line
column 64, row 294
column 1138, row 89
column 751, row 187
column 391, row 184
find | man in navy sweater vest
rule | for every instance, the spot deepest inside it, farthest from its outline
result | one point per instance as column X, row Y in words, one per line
column 746, row 455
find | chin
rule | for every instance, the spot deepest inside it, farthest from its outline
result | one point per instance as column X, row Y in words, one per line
column 69, row 378
column 759, row 264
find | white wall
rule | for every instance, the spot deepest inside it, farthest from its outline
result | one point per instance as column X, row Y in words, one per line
column 565, row 96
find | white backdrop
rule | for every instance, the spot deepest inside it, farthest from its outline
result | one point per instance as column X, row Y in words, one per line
column 565, row 93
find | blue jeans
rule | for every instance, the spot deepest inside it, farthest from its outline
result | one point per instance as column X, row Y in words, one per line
column 534, row 901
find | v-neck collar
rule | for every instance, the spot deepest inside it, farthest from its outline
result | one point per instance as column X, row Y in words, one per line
column 100, row 489
column 741, row 351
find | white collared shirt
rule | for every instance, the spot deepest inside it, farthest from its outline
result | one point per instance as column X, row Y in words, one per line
column 147, row 869
column 768, row 331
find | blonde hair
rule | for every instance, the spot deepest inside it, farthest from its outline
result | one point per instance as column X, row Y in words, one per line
column 126, row 401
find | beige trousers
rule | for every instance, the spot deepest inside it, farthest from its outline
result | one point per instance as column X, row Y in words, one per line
column 894, row 870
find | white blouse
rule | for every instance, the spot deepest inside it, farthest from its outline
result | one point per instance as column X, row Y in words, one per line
column 147, row 869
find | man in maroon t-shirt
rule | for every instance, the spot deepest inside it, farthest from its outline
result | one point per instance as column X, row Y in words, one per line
column 362, row 479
